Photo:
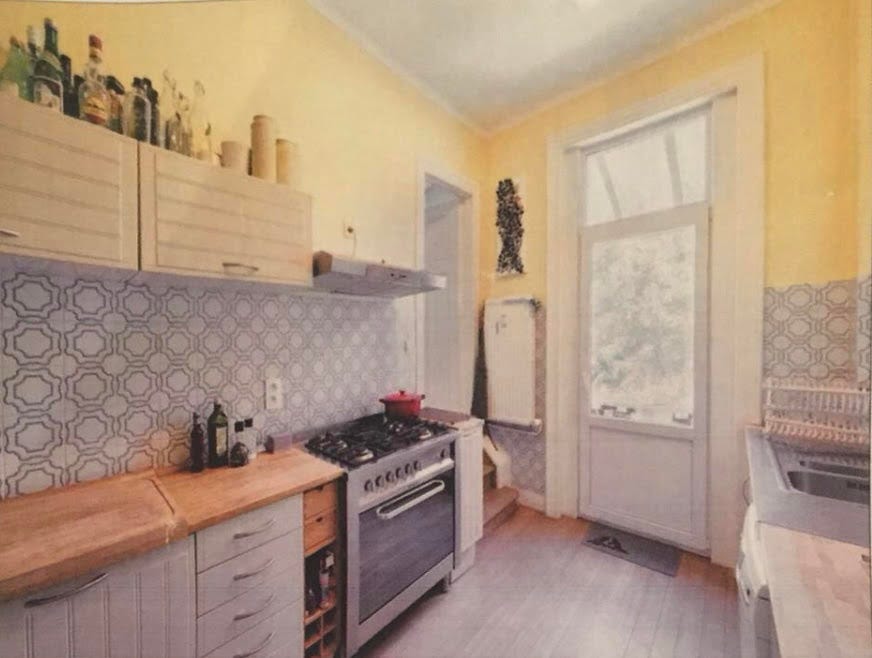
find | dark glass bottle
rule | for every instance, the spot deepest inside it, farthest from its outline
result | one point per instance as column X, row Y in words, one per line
column 152, row 95
column 70, row 107
column 47, row 86
column 218, row 431
column 199, row 448
column 116, row 104
column 137, row 112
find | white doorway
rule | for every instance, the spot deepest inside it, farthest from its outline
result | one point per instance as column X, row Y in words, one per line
column 644, row 297
column 448, row 326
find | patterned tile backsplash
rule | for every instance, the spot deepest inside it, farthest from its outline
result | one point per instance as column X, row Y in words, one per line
column 811, row 332
column 100, row 377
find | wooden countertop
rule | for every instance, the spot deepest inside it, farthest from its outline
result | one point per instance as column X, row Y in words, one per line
column 216, row 495
column 55, row 535
column 820, row 594
column 48, row 537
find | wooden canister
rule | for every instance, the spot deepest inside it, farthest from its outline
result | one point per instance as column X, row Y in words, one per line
column 286, row 154
column 234, row 155
column 263, row 148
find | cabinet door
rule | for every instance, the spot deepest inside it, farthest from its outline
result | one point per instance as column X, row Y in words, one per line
column 142, row 608
column 197, row 218
column 469, row 457
column 69, row 188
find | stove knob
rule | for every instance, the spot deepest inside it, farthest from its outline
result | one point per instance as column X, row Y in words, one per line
column 417, row 465
column 389, row 476
column 378, row 481
column 408, row 469
column 444, row 454
column 399, row 472
column 368, row 486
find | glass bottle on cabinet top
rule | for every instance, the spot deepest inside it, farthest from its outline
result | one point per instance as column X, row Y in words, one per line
column 47, row 82
column 137, row 112
column 201, row 129
column 71, row 104
column 15, row 74
column 94, row 101
column 116, row 104
column 151, row 94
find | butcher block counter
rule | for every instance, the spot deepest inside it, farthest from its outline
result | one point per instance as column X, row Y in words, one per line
column 55, row 535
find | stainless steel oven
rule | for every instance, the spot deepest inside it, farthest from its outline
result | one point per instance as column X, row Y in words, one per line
column 401, row 527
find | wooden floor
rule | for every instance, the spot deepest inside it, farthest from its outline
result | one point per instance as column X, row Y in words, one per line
column 537, row 591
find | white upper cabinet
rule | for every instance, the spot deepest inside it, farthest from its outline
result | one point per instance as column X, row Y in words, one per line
column 200, row 219
column 68, row 190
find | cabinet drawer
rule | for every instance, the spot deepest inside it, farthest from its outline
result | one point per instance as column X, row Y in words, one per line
column 255, row 568
column 238, row 535
column 280, row 636
column 246, row 611
column 320, row 529
column 320, row 500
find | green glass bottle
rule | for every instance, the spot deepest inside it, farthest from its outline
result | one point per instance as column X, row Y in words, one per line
column 48, row 87
column 219, row 436
column 16, row 71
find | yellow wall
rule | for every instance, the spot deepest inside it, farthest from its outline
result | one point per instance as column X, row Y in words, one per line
column 812, row 159
column 361, row 130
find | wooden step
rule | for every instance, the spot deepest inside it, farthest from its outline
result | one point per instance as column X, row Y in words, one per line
column 499, row 505
column 489, row 475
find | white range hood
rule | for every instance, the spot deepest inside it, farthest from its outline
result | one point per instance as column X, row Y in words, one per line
column 350, row 276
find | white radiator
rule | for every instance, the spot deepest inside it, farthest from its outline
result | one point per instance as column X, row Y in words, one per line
column 510, row 354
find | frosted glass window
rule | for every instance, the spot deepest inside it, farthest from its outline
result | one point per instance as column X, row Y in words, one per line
column 642, row 327
column 653, row 170
column 598, row 203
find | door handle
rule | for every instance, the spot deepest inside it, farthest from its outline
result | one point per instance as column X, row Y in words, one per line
column 33, row 603
column 250, row 533
column 246, row 615
column 243, row 576
column 263, row 645
column 411, row 499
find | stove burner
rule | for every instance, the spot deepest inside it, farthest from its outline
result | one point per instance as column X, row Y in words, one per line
column 367, row 439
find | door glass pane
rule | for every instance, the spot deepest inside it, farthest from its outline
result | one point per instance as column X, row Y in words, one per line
column 642, row 327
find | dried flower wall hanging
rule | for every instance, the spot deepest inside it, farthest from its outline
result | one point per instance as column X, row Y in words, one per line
column 510, row 212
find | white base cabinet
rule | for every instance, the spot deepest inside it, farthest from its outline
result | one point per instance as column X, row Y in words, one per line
column 468, row 453
column 141, row 608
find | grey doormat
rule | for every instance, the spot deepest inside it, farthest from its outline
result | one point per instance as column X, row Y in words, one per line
column 644, row 552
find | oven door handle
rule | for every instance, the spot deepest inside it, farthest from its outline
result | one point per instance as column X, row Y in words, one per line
column 427, row 490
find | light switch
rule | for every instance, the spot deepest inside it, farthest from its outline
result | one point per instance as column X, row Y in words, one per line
column 275, row 394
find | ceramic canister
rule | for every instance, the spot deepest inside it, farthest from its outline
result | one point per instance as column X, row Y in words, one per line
column 234, row 155
column 263, row 147
column 286, row 153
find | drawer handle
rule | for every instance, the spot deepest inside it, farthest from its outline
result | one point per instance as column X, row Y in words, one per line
column 9, row 233
column 263, row 645
column 33, row 603
column 251, row 269
column 251, row 533
column 246, row 615
column 243, row 576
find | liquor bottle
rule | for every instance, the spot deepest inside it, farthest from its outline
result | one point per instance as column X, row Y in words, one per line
column 199, row 449
column 116, row 104
column 71, row 105
column 93, row 97
column 32, row 57
column 219, row 438
column 47, row 86
column 137, row 112
column 151, row 94
column 15, row 74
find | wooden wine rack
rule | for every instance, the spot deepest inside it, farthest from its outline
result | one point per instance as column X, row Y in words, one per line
column 323, row 626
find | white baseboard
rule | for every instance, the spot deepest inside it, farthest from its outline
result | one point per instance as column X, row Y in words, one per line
column 531, row 499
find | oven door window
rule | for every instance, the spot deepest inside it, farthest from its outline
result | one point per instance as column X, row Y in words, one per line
column 402, row 539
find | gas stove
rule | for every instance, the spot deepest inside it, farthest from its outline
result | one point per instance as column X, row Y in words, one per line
column 371, row 438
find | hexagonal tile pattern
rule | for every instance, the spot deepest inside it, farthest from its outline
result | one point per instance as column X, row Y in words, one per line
column 864, row 331
column 811, row 332
column 101, row 376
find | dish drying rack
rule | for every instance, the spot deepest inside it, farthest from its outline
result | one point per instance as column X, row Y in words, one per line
column 816, row 418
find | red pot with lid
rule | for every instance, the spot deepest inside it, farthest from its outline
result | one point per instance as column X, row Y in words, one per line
column 402, row 404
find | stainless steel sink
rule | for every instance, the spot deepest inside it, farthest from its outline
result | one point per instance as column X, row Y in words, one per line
column 830, row 485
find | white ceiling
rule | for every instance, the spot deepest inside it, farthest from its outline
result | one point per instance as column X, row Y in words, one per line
column 491, row 61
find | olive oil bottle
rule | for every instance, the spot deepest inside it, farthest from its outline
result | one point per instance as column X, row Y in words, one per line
column 219, row 436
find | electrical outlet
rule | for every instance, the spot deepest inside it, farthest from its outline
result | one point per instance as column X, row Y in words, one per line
column 275, row 394
column 348, row 230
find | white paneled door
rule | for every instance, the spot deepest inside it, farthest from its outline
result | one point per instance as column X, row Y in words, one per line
column 644, row 366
